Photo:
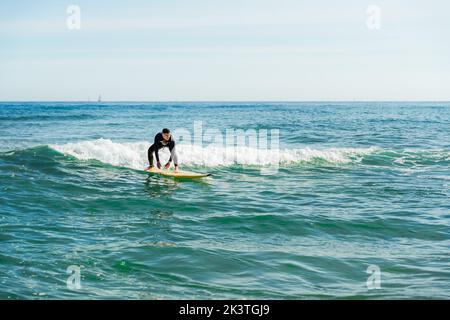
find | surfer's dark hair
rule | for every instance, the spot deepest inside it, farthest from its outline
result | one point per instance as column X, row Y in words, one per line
column 165, row 130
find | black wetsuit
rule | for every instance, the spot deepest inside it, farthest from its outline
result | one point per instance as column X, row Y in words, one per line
column 160, row 143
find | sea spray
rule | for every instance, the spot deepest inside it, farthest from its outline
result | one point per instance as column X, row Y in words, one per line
column 134, row 154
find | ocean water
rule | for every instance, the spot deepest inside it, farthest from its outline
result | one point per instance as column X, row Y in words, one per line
column 361, row 192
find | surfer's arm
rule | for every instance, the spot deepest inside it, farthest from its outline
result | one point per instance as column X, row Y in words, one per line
column 173, row 154
column 156, row 144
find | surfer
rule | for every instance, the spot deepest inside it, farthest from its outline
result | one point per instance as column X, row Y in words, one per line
column 163, row 139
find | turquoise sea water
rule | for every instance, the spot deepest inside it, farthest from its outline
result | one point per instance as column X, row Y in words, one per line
column 359, row 184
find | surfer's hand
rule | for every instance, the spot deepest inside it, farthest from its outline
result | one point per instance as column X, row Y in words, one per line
column 158, row 165
column 167, row 166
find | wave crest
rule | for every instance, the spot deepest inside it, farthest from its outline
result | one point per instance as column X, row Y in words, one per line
column 134, row 154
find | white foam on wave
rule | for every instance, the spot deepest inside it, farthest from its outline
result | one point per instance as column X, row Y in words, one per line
column 134, row 154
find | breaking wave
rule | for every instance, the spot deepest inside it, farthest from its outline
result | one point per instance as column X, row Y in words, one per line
column 134, row 154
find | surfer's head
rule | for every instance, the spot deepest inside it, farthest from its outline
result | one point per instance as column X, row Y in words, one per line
column 166, row 134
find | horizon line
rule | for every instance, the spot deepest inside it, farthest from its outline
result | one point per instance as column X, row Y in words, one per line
column 207, row 101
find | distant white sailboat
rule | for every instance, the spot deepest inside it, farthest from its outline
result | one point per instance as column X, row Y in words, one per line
column 99, row 98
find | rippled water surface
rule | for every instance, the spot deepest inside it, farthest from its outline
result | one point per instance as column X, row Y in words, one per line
column 359, row 185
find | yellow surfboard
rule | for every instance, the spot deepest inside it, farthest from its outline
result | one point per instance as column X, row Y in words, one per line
column 178, row 174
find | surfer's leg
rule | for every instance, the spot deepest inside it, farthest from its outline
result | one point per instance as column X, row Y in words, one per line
column 150, row 154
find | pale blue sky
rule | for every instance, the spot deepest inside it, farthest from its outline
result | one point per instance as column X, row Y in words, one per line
column 225, row 50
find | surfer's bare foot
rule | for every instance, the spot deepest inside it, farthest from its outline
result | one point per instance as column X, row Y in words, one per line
column 176, row 169
column 149, row 168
